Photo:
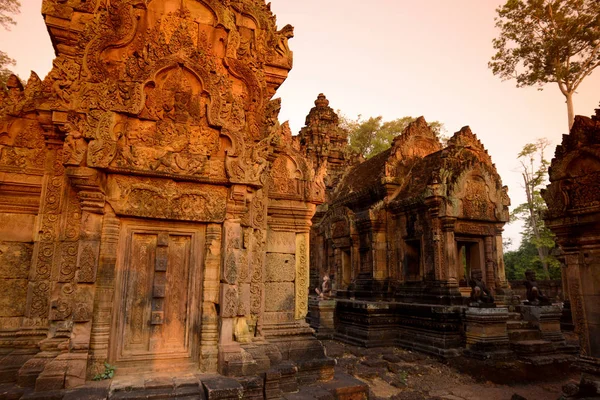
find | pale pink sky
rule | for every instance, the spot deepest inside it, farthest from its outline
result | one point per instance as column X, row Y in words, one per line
column 392, row 58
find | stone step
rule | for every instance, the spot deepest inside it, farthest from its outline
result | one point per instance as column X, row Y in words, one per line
column 546, row 359
column 517, row 325
column 514, row 316
column 516, row 335
column 533, row 347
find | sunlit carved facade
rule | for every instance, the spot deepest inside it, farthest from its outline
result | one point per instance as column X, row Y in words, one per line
column 401, row 235
column 149, row 197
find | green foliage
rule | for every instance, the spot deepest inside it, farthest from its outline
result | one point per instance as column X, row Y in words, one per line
column 7, row 7
column 372, row 136
column 534, row 170
column 547, row 41
column 526, row 257
column 109, row 372
column 5, row 61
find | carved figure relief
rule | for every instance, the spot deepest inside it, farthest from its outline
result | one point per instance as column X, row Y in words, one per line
column 165, row 199
column 476, row 203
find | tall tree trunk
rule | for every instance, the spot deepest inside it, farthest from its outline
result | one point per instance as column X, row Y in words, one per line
column 570, row 112
column 542, row 250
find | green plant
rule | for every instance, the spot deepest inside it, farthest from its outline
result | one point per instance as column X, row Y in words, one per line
column 403, row 377
column 109, row 372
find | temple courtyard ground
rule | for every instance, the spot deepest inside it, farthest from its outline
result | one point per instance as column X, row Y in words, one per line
column 388, row 373
column 395, row 373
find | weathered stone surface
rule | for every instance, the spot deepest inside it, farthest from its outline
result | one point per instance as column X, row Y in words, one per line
column 222, row 388
column 281, row 242
column 15, row 260
column 280, row 267
column 573, row 199
column 14, row 297
column 280, row 296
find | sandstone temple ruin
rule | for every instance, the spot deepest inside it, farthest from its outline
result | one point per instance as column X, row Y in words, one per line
column 151, row 201
column 156, row 215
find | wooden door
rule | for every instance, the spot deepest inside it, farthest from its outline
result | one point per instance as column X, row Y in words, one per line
column 159, row 298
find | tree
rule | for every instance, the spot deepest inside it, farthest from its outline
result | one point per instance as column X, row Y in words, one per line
column 7, row 7
column 546, row 41
column 372, row 136
column 534, row 170
column 526, row 257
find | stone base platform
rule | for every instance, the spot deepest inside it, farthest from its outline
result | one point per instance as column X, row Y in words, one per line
column 197, row 387
column 433, row 329
column 487, row 337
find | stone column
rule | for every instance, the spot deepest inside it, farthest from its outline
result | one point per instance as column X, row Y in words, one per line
column 449, row 243
column 105, row 291
column 380, row 265
column 490, row 263
column 503, row 291
column 209, row 335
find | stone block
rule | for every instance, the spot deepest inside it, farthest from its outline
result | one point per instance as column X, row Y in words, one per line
column 321, row 317
column 547, row 320
column 280, row 267
column 17, row 227
column 14, row 297
column 487, row 336
column 221, row 388
column 279, row 296
column 15, row 260
column 76, row 370
column 281, row 242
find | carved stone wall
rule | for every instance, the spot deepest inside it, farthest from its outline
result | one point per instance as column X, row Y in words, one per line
column 401, row 226
column 573, row 199
column 142, row 182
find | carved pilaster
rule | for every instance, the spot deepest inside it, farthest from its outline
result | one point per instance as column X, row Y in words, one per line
column 209, row 335
column 302, row 275
column 104, row 294
column 46, row 246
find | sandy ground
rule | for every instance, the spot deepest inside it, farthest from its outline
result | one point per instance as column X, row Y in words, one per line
column 394, row 373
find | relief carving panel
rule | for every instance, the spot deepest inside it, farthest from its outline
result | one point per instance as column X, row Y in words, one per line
column 166, row 199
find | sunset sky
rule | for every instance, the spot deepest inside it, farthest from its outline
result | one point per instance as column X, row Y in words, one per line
column 392, row 58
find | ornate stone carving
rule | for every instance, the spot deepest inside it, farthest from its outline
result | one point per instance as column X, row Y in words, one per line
column 87, row 265
column 302, row 272
column 165, row 199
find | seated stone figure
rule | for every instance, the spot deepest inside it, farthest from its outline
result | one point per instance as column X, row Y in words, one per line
column 325, row 291
column 480, row 294
column 535, row 297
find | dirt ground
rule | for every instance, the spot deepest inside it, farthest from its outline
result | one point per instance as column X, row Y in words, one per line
column 394, row 373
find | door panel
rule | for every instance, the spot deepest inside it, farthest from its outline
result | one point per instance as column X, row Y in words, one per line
column 159, row 299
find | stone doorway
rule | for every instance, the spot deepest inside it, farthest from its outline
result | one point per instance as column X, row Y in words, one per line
column 470, row 258
column 159, row 275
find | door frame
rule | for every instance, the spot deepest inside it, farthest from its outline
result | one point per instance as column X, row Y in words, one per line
column 196, row 276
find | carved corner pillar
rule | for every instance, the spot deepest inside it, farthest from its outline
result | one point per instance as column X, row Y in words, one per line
column 503, row 291
column 449, row 248
column 104, row 293
column 209, row 335
column 439, row 267
column 380, row 246
column 89, row 186
column 490, row 263
column 46, row 256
